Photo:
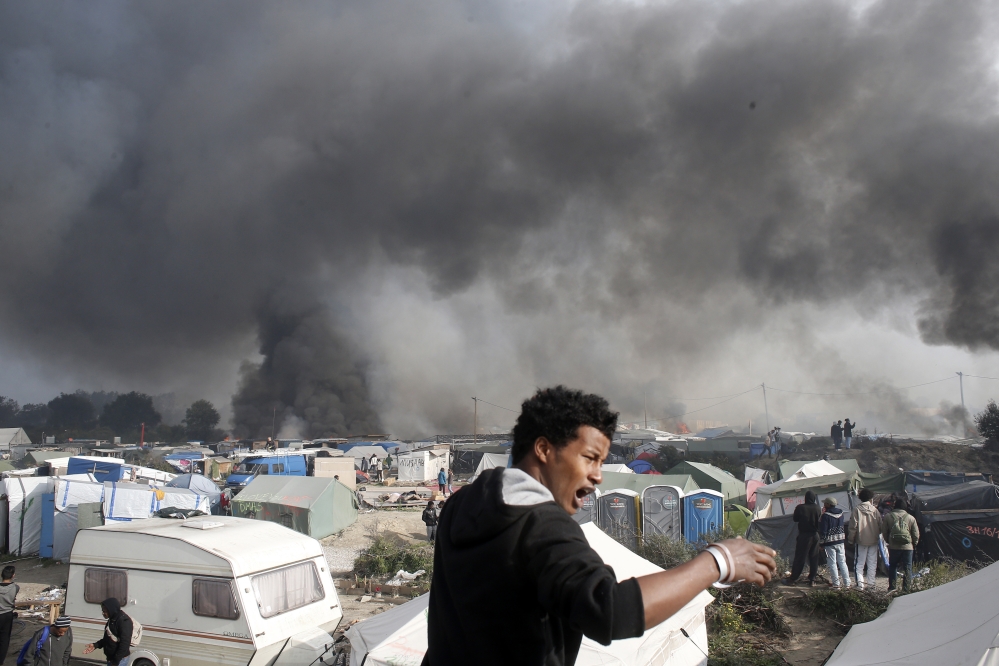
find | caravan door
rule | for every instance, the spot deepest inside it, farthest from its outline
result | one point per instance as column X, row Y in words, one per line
column 662, row 510
column 702, row 514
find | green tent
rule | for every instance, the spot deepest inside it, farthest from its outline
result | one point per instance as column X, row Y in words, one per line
column 710, row 477
column 789, row 467
column 639, row 482
column 739, row 518
column 883, row 484
column 6, row 466
column 316, row 506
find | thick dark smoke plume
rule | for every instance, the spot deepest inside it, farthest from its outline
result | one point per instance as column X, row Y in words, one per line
column 677, row 170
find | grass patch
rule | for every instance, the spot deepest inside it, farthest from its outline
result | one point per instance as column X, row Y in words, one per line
column 943, row 571
column 385, row 557
column 846, row 607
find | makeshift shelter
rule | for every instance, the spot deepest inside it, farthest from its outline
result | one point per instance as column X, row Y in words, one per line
column 365, row 451
column 199, row 484
column 423, row 466
column 103, row 469
column 780, row 532
column 398, row 637
column 958, row 521
column 132, row 501
column 616, row 468
column 918, row 480
column 640, row 466
column 69, row 494
column 781, row 497
column 789, row 467
column 466, row 460
column 955, row 623
column 22, row 522
column 37, row 458
column 883, row 484
column 639, row 482
column 310, row 505
column 491, row 460
column 709, row 477
column 13, row 437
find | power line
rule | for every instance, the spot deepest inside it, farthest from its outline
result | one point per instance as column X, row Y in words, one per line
column 889, row 390
column 980, row 377
column 500, row 406
column 694, row 411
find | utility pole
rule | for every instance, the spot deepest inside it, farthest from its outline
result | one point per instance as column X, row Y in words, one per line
column 475, row 420
column 765, row 408
column 273, row 421
column 964, row 420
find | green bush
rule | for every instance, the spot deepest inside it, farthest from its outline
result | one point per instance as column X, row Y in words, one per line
column 664, row 551
column 385, row 557
column 942, row 571
column 847, row 607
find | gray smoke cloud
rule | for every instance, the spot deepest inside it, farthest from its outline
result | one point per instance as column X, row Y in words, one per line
column 649, row 178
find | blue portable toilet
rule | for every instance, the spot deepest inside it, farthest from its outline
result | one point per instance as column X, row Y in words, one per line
column 588, row 512
column 703, row 512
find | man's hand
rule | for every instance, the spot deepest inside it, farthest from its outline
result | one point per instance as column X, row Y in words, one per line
column 89, row 648
column 753, row 563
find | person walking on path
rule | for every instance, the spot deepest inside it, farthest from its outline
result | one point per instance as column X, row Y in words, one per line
column 442, row 482
column 373, row 468
column 8, row 594
column 117, row 640
column 864, row 531
column 848, row 433
column 378, row 469
column 901, row 533
column 450, row 482
column 56, row 647
column 806, row 548
column 836, row 432
column 430, row 520
column 388, row 464
column 832, row 533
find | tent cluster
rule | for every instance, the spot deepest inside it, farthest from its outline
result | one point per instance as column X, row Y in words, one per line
column 312, row 505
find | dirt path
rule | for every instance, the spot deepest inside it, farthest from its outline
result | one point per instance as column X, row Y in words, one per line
column 813, row 639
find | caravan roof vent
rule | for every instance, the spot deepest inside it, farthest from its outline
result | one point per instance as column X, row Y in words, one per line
column 202, row 524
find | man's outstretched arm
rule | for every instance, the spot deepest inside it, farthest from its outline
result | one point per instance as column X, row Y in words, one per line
column 664, row 593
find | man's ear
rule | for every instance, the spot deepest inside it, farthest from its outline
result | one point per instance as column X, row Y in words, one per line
column 543, row 450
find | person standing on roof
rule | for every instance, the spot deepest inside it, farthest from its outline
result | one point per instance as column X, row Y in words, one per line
column 544, row 587
column 832, row 533
column 52, row 645
column 117, row 640
column 901, row 533
column 8, row 595
column 864, row 532
column 766, row 443
column 848, row 433
column 806, row 548
column 442, row 482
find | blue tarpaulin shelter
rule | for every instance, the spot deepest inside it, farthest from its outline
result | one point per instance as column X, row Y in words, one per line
column 640, row 466
column 103, row 470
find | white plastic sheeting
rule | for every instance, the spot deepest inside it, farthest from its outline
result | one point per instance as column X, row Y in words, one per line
column 956, row 623
column 616, row 468
column 130, row 501
column 399, row 636
column 489, row 461
column 24, row 511
column 814, row 470
column 423, row 465
column 70, row 493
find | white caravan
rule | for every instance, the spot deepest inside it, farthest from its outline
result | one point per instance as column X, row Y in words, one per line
column 208, row 591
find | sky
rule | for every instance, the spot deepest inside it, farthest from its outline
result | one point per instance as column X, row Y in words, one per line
column 351, row 219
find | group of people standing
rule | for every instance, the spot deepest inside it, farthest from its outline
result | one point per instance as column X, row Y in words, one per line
column 772, row 442
column 842, row 434
column 374, row 467
column 827, row 528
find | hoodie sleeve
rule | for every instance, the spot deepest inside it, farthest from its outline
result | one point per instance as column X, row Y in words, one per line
column 574, row 584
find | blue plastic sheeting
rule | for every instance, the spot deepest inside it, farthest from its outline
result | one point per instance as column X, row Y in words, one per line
column 640, row 466
column 48, row 525
column 112, row 470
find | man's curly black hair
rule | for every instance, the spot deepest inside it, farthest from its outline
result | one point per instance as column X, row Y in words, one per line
column 556, row 414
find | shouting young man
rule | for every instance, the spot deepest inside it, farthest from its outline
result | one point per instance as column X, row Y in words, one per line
column 515, row 581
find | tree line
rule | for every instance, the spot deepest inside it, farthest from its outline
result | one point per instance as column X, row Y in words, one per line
column 104, row 415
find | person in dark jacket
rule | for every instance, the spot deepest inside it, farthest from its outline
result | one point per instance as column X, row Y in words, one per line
column 56, row 648
column 836, row 432
column 117, row 640
column 832, row 534
column 430, row 520
column 8, row 595
column 807, row 516
column 515, row 580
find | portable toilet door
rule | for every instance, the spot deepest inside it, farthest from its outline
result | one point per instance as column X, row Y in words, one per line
column 619, row 514
column 662, row 510
column 703, row 512
column 588, row 512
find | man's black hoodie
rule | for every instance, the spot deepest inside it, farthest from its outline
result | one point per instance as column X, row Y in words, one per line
column 117, row 639
column 515, row 581
column 808, row 515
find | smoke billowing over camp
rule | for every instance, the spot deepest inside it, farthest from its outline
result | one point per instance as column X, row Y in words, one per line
column 376, row 210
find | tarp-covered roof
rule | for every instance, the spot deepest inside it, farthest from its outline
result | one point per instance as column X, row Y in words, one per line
column 967, row 496
column 639, row 482
column 789, row 467
column 13, row 437
column 713, row 478
column 820, row 484
column 313, row 505
column 883, row 484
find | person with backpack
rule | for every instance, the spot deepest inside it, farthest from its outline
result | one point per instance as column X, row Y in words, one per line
column 430, row 520
column 8, row 594
column 901, row 533
column 864, row 532
column 49, row 646
column 117, row 640
column 832, row 533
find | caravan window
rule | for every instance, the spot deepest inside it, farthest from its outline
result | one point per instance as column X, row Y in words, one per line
column 277, row 469
column 101, row 584
column 287, row 588
column 214, row 598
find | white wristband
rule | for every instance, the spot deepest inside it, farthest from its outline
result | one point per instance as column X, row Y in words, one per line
column 722, row 562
